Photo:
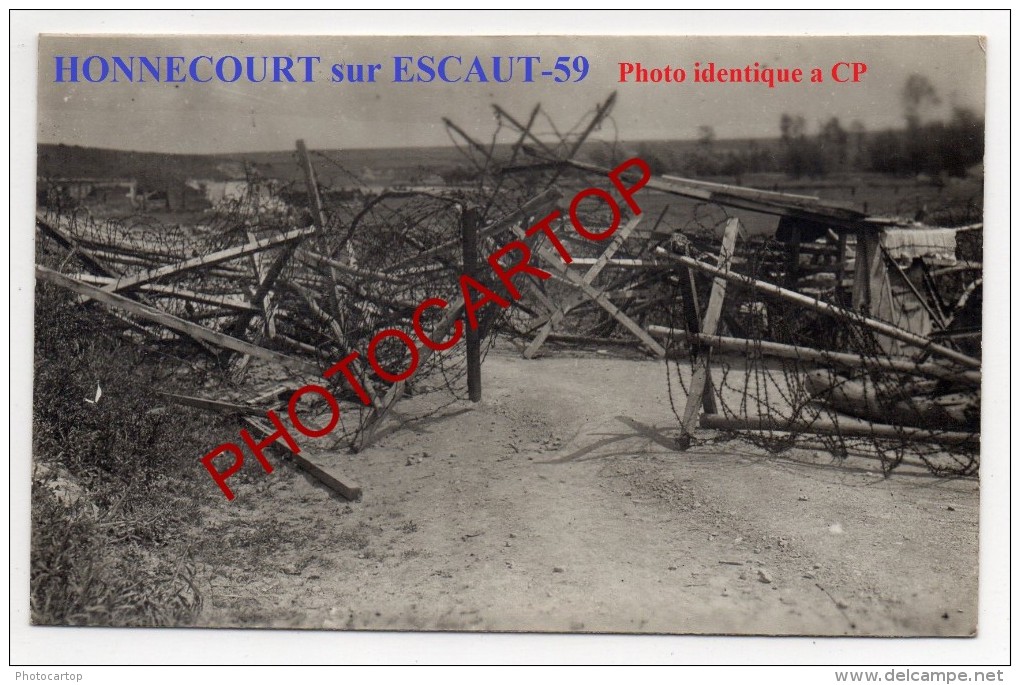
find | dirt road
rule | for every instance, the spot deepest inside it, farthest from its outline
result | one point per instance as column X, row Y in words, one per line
column 560, row 503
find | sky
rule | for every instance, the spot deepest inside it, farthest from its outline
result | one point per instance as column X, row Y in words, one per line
column 219, row 117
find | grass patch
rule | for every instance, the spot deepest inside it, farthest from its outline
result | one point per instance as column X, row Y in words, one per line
column 116, row 483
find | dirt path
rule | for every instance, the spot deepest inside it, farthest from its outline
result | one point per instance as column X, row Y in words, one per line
column 559, row 503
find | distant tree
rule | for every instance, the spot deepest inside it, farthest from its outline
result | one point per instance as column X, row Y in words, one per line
column 791, row 127
column 887, row 153
column 858, row 154
column 962, row 143
column 801, row 156
column 706, row 136
column 655, row 160
column 833, row 140
column 918, row 94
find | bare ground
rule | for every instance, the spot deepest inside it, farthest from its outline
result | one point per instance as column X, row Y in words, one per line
column 560, row 503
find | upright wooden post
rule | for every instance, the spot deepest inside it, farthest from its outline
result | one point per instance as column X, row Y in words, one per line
column 469, row 244
column 318, row 213
column 841, row 268
column 709, row 326
column 692, row 317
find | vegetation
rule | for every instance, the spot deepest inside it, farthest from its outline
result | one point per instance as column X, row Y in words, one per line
column 114, row 479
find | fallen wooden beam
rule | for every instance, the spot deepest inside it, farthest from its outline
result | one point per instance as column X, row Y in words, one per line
column 173, row 291
column 172, row 322
column 218, row 406
column 149, row 275
column 753, row 200
column 844, row 426
column 348, row 491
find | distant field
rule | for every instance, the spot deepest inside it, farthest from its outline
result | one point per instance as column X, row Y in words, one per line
column 947, row 202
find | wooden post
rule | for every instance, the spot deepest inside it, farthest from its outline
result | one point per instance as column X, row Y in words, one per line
column 692, row 316
column 793, row 257
column 318, row 213
column 469, row 244
column 841, row 267
column 700, row 379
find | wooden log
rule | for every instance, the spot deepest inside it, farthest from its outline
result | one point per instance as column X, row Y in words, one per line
column 348, row 491
column 896, row 404
column 844, row 426
column 170, row 270
column 882, row 327
column 172, row 322
column 824, row 357
column 588, row 340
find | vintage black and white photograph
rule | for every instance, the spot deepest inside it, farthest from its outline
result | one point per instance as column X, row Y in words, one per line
column 561, row 334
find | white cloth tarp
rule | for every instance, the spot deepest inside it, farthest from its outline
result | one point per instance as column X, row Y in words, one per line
column 880, row 291
column 936, row 246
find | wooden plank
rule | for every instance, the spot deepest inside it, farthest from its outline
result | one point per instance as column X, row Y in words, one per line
column 837, row 217
column 692, row 316
column 149, row 275
column 347, row 490
column 235, row 303
column 314, row 199
column 936, row 317
column 308, row 256
column 172, row 322
column 844, row 426
column 627, row 263
column 710, row 324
